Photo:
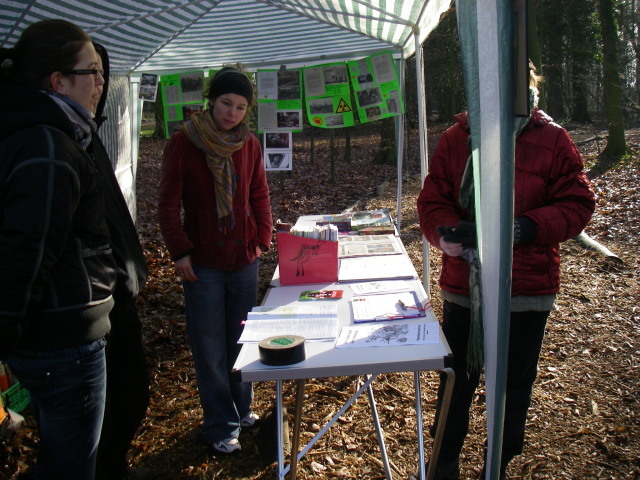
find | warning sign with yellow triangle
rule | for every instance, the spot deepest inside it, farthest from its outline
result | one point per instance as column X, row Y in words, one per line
column 343, row 107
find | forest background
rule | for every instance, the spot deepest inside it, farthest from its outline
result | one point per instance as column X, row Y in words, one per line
column 584, row 421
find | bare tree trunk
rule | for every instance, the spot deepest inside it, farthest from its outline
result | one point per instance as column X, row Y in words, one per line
column 159, row 117
column 616, row 143
column 347, row 145
column 387, row 150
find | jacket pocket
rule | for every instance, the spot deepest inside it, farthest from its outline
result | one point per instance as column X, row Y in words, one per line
column 101, row 272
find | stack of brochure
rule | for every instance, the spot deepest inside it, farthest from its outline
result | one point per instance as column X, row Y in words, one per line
column 312, row 321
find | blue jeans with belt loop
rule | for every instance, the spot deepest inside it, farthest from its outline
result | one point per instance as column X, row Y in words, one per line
column 216, row 307
column 67, row 389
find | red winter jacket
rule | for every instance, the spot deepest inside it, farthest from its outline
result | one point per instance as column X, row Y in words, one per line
column 551, row 189
column 187, row 182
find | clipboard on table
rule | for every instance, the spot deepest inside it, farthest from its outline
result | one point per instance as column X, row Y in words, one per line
column 386, row 307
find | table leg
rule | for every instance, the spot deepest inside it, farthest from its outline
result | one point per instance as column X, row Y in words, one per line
column 442, row 421
column 296, row 428
column 417, row 390
column 379, row 432
column 279, row 427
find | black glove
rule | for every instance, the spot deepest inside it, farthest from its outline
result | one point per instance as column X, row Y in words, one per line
column 524, row 230
column 463, row 233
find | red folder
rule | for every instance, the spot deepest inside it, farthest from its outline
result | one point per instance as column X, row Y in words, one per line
column 306, row 260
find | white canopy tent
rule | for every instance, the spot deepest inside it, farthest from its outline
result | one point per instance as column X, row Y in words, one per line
column 155, row 36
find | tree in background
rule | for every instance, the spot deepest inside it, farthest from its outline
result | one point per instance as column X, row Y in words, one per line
column 581, row 47
column 629, row 23
column 444, row 88
column 612, row 82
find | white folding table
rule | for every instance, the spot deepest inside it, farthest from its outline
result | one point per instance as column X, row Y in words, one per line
column 323, row 360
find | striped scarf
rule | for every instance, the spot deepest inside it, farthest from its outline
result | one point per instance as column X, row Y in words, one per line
column 218, row 146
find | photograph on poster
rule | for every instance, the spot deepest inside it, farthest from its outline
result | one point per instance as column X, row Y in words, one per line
column 373, row 112
column 278, row 161
column 288, row 84
column 277, row 140
column 289, row 119
column 334, row 120
column 364, row 75
column 191, row 85
column 370, row 96
column 190, row 109
column 335, row 74
column 319, row 106
column 148, row 87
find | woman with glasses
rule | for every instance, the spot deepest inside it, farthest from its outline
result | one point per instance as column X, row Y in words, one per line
column 56, row 268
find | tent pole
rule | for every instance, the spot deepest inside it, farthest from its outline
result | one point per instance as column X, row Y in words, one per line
column 399, row 121
column 422, row 130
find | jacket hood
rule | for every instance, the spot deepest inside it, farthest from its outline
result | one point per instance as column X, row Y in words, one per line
column 99, row 118
column 23, row 107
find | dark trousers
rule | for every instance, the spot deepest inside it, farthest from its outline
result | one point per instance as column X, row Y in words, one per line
column 127, row 389
column 526, row 331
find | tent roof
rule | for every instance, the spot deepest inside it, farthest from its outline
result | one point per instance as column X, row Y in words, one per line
column 161, row 36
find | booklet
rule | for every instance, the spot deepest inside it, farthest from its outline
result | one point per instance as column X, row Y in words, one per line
column 321, row 295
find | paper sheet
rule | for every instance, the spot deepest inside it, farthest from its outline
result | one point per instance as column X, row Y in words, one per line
column 391, row 334
column 308, row 328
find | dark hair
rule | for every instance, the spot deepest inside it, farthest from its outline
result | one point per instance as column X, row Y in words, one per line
column 43, row 48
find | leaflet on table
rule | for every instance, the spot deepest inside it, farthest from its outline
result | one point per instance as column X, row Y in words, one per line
column 375, row 268
column 320, row 295
column 386, row 306
column 314, row 328
column 294, row 310
column 365, row 245
column 380, row 286
column 392, row 334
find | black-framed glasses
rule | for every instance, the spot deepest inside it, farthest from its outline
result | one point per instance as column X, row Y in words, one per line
column 86, row 71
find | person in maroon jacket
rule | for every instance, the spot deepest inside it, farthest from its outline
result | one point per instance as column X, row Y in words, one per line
column 213, row 170
column 553, row 201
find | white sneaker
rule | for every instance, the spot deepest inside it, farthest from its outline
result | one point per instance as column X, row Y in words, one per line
column 229, row 445
column 249, row 420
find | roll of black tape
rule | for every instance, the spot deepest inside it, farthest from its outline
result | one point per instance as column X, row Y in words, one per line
column 282, row 350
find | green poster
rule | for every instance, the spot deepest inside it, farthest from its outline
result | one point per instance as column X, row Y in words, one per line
column 279, row 100
column 328, row 95
column 181, row 97
column 376, row 87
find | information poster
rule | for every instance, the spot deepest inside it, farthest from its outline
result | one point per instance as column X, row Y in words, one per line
column 279, row 100
column 376, row 87
column 148, row 87
column 328, row 96
column 277, row 150
column 181, row 97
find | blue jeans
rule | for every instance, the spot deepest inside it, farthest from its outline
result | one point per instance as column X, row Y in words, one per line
column 216, row 305
column 67, row 390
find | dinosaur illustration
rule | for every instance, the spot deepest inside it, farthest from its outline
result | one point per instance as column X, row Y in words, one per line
column 305, row 253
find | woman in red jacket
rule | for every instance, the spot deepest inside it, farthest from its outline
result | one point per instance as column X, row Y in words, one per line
column 553, row 201
column 213, row 170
